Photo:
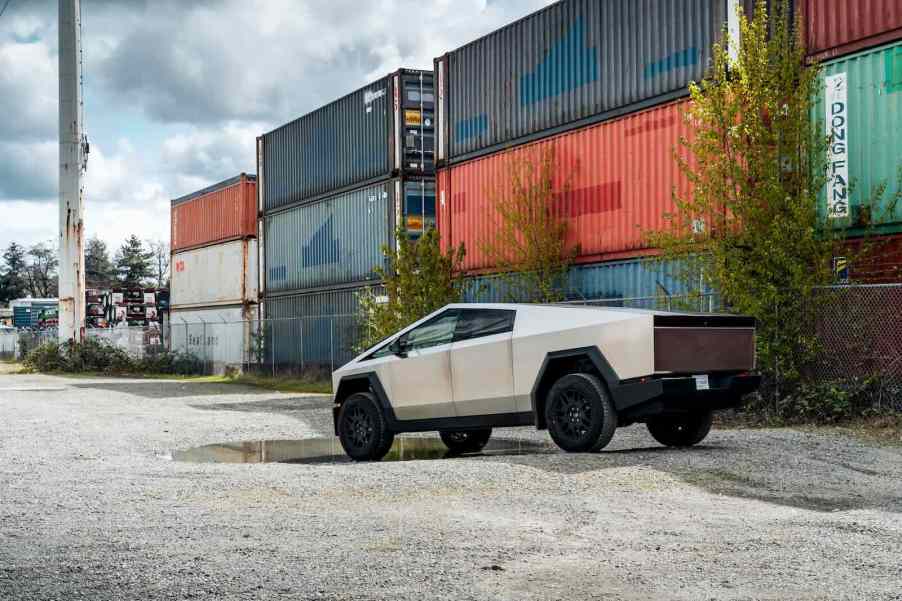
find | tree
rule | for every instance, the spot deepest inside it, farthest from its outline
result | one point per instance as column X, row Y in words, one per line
column 756, row 162
column 159, row 262
column 420, row 279
column 529, row 246
column 13, row 282
column 99, row 270
column 41, row 274
column 133, row 264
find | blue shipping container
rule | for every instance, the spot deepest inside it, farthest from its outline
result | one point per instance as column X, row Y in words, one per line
column 383, row 129
column 645, row 283
column 339, row 240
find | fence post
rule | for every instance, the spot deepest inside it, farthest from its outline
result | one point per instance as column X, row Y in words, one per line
column 272, row 353
column 331, row 345
column 205, row 344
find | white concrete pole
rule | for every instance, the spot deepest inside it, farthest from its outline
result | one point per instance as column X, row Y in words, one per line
column 72, row 155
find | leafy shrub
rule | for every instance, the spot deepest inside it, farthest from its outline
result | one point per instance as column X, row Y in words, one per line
column 821, row 402
column 93, row 355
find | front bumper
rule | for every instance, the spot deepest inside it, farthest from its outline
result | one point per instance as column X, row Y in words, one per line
column 681, row 394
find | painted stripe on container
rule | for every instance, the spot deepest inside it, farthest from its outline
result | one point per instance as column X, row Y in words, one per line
column 622, row 174
column 872, row 125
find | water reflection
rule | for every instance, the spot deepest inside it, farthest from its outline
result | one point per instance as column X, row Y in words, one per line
column 328, row 450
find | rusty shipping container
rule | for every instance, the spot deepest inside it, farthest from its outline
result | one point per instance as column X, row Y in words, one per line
column 834, row 28
column 383, row 129
column 621, row 176
column 571, row 64
column 218, row 275
column 222, row 212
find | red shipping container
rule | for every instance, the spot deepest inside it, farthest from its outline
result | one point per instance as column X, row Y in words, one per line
column 838, row 27
column 224, row 211
column 622, row 175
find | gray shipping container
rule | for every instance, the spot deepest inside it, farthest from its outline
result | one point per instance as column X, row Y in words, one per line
column 383, row 129
column 310, row 331
column 570, row 64
column 338, row 240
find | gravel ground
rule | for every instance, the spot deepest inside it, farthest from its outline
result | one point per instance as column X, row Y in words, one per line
column 91, row 508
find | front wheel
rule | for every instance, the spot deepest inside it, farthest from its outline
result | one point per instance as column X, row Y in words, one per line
column 362, row 428
column 467, row 441
column 681, row 431
column 580, row 414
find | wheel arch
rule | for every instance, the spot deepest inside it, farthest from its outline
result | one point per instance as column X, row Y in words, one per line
column 559, row 363
column 364, row 382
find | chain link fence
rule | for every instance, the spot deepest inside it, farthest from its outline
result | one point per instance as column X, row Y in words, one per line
column 859, row 330
column 859, row 334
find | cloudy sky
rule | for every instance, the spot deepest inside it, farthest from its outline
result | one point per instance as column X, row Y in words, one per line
column 176, row 91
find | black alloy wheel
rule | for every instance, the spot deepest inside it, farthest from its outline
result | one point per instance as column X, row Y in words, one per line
column 579, row 413
column 362, row 428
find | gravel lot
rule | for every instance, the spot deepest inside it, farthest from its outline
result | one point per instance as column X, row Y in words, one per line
column 92, row 508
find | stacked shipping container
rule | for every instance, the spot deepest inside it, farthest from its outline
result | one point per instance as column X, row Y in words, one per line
column 860, row 102
column 599, row 84
column 214, row 271
column 335, row 185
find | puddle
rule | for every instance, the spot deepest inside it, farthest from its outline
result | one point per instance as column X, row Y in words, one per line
column 328, row 450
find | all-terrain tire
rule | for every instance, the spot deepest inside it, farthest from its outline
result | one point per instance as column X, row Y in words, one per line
column 681, row 431
column 580, row 414
column 362, row 428
column 465, row 441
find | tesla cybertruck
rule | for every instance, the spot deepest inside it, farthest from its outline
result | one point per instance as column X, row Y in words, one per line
column 577, row 371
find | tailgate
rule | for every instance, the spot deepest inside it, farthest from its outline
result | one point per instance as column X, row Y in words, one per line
column 704, row 343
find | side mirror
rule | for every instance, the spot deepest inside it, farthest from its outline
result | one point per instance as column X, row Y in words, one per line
column 398, row 348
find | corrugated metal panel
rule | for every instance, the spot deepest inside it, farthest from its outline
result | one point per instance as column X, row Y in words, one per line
column 223, row 274
column 330, row 242
column 338, row 240
column 222, row 212
column 571, row 61
column 621, row 176
column 873, row 122
column 369, row 134
column 312, row 330
column 834, row 28
column 633, row 279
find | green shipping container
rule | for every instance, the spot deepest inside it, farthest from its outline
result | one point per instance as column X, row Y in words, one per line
column 860, row 102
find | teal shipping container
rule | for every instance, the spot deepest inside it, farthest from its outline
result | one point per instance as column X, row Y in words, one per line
column 642, row 282
column 338, row 241
column 860, row 105
column 27, row 313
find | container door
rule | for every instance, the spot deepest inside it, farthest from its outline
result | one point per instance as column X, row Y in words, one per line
column 482, row 368
column 416, row 117
column 421, row 374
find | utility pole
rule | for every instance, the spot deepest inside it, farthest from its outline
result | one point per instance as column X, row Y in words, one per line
column 73, row 161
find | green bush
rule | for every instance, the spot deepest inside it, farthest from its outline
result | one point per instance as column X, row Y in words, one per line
column 100, row 356
column 820, row 402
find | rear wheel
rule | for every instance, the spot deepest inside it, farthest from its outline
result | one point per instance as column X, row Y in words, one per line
column 681, row 431
column 580, row 414
column 466, row 441
column 362, row 428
